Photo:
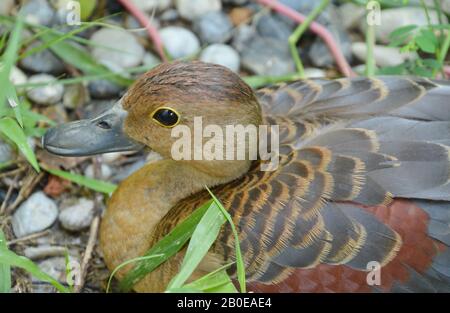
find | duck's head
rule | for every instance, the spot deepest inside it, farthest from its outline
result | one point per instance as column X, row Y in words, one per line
column 169, row 95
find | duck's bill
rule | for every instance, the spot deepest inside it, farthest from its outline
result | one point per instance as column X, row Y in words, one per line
column 101, row 134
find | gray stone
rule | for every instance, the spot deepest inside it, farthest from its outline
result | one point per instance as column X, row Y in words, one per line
column 263, row 55
column 75, row 95
column 235, row 2
column 79, row 216
column 55, row 267
column 103, row 89
column 243, row 34
column 351, row 14
column 273, row 26
column 43, row 251
column 49, row 94
column 213, row 27
column 179, row 42
column 312, row 72
column 36, row 214
column 169, row 15
column 118, row 47
column 150, row 5
column 42, row 62
column 6, row 152
column 192, row 9
column 17, row 77
column 151, row 60
column 384, row 56
column 38, row 12
column 223, row 55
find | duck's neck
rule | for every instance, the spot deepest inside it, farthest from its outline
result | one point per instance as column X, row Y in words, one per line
column 144, row 198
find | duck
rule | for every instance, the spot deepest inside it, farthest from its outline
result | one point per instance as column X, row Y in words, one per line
column 362, row 186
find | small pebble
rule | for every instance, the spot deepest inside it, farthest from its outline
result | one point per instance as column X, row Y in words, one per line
column 351, row 14
column 213, row 27
column 105, row 171
column 49, row 94
column 169, row 15
column 75, row 95
column 192, row 9
column 179, row 42
column 41, row 252
column 6, row 152
column 149, row 5
column 17, row 77
column 55, row 267
column 79, row 216
column 240, row 15
column 118, row 47
column 38, row 12
column 103, row 89
column 111, row 157
column 42, row 62
column 223, row 55
column 384, row 56
column 151, row 60
column 273, row 26
column 312, row 72
column 35, row 214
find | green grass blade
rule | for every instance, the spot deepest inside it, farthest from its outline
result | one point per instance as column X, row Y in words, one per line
column 142, row 258
column 81, row 59
column 202, row 239
column 16, row 134
column 8, row 61
column 239, row 260
column 217, row 281
column 5, row 269
column 10, row 258
column 168, row 246
column 91, row 183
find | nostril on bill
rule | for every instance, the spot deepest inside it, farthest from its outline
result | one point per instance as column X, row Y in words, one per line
column 104, row 125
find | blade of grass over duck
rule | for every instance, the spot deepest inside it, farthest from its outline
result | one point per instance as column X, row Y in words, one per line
column 239, row 260
column 5, row 269
column 217, row 281
column 202, row 239
column 168, row 246
column 94, row 184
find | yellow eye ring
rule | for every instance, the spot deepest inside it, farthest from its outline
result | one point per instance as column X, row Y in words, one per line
column 166, row 117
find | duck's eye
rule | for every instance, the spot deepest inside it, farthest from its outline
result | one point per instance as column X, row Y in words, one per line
column 166, row 117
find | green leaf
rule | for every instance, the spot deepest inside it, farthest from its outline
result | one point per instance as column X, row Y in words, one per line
column 11, row 259
column 202, row 239
column 167, row 247
column 402, row 32
column 16, row 134
column 90, row 183
column 87, row 7
column 5, row 269
column 427, row 41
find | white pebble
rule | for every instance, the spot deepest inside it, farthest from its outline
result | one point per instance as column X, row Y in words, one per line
column 78, row 216
column 179, row 42
column 49, row 94
column 384, row 56
column 36, row 214
column 223, row 55
column 191, row 9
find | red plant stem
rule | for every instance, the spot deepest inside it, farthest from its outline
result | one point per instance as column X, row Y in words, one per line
column 145, row 21
column 316, row 28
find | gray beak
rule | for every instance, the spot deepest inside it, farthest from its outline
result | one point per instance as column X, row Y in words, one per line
column 101, row 134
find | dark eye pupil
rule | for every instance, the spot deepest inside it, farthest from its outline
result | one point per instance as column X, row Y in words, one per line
column 166, row 117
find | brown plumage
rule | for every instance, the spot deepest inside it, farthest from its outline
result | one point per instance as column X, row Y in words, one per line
column 354, row 153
